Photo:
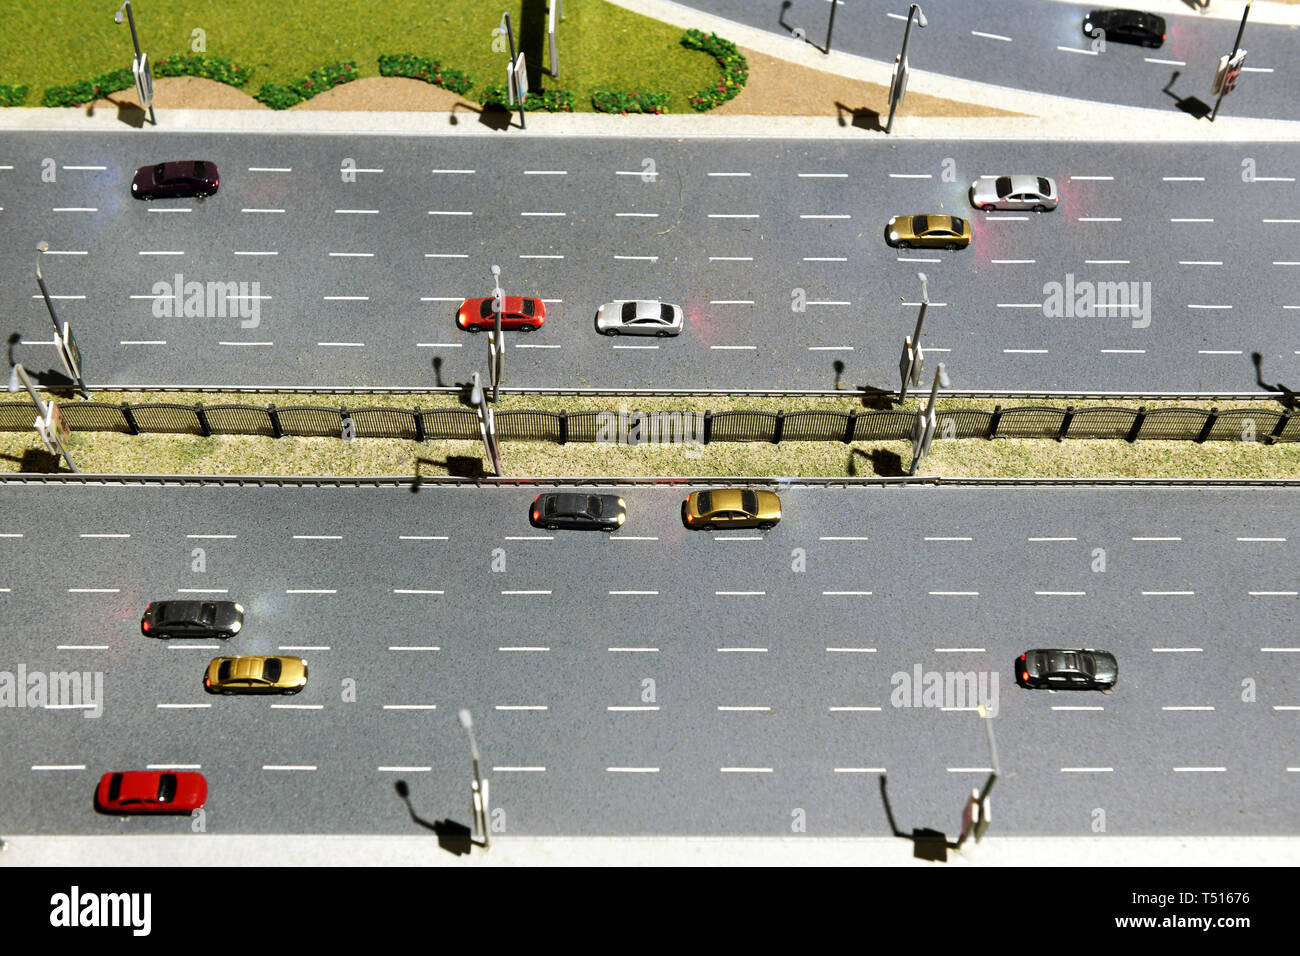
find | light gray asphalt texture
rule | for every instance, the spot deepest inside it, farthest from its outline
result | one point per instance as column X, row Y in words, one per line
column 1020, row 48
column 359, row 280
column 1198, row 738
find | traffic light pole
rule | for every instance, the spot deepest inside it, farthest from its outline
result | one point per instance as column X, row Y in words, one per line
column 1236, row 47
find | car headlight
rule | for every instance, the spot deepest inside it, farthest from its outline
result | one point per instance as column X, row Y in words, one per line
column 893, row 237
column 622, row 518
column 239, row 608
column 236, row 627
column 622, row 503
column 892, row 220
column 1087, row 26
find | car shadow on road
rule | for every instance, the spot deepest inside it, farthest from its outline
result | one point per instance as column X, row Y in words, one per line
column 860, row 116
column 929, row 845
column 453, row 837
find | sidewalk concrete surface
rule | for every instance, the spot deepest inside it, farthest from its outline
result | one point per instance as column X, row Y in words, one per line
column 332, row 850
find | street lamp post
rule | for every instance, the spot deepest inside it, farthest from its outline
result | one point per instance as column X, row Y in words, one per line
column 900, row 67
column 1230, row 66
column 478, row 785
column 46, row 424
column 830, row 25
column 496, row 344
column 913, row 357
column 140, row 64
column 62, row 335
column 510, row 35
column 924, row 427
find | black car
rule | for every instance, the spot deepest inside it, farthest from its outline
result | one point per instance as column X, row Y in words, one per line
column 1126, row 26
column 1067, row 669
column 192, row 619
column 169, row 180
column 579, row 511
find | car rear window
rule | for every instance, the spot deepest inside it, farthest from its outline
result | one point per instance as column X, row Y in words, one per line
column 223, row 672
column 749, row 501
column 272, row 669
column 530, row 307
column 704, row 502
column 167, row 788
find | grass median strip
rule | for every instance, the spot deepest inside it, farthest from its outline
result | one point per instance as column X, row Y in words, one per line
column 110, row 452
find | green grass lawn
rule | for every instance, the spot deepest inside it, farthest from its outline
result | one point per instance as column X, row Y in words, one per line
column 601, row 45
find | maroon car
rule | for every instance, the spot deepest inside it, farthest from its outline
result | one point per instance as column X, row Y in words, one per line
column 520, row 314
column 168, row 180
column 150, row 791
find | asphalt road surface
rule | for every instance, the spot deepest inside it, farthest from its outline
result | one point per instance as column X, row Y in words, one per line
column 1040, row 47
column 776, row 251
column 660, row 681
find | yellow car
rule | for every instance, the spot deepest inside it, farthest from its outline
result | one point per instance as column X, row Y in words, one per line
column 255, row 675
column 731, row 508
column 930, row 232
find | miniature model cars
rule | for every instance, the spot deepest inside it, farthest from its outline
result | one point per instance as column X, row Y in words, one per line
column 932, row 232
column 169, row 180
column 209, row 619
column 1013, row 192
column 1067, row 669
column 639, row 317
column 521, row 314
column 731, row 508
column 1126, row 26
column 583, row 512
column 150, row 791
column 255, row 675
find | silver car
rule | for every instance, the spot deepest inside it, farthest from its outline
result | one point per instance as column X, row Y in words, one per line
column 639, row 317
column 1013, row 192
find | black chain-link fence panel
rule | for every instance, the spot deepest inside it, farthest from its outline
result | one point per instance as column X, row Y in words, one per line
column 451, row 424
column 1031, row 421
column 966, row 423
column 165, row 418
column 92, row 417
column 743, row 426
column 311, row 421
column 1244, row 424
column 1291, row 430
column 1173, row 424
column 592, row 426
column 17, row 416
column 238, row 420
column 1102, row 423
column 383, row 422
column 815, row 426
column 526, row 425
column 884, row 426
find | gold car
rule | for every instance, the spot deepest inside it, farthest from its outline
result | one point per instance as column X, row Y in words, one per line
column 731, row 508
column 930, row 232
column 255, row 675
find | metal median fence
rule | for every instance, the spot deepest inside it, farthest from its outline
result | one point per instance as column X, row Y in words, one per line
column 635, row 427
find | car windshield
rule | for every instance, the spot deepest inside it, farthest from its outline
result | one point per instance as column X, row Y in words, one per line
column 593, row 506
column 958, row 224
column 115, row 787
column 666, row 312
column 272, row 669
column 167, row 788
column 628, row 311
column 200, row 169
column 1070, row 662
column 207, row 613
column 1044, row 186
column 749, row 501
column 920, row 224
column 485, row 310
column 530, row 307
column 704, row 502
column 1003, row 185
column 160, row 173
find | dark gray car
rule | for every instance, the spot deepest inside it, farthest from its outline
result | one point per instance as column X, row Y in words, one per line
column 1057, row 669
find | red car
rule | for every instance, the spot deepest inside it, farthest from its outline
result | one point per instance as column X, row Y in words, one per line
column 168, row 180
column 150, row 791
column 520, row 314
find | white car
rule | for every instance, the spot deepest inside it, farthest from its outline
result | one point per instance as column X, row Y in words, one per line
column 1013, row 192
column 639, row 317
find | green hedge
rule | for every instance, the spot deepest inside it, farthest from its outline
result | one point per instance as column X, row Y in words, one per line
column 12, row 95
column 208, row 67
column 494, row 97
column 735, row 69
column 632, row 101
column 425, row 68
column 281, row 97
column 84, row 91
